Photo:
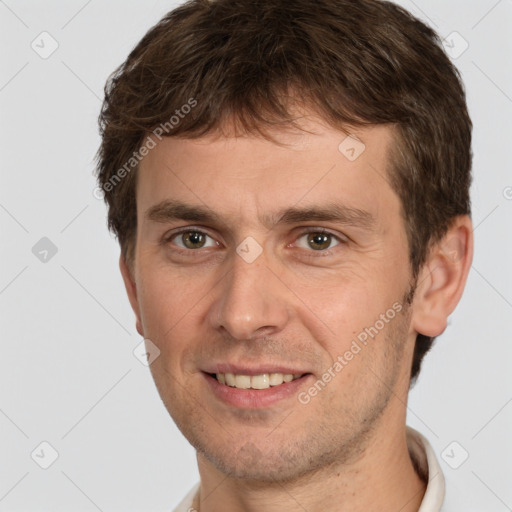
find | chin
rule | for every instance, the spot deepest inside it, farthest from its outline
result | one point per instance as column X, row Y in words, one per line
column 251, row 465
column 268, row 461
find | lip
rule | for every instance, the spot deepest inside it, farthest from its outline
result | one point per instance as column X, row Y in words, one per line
column 255, row 398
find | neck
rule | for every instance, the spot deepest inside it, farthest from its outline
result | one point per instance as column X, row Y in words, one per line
column 383, row 475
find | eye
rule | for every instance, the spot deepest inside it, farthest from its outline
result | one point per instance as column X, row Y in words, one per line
column 318, row 241
column 192, row 239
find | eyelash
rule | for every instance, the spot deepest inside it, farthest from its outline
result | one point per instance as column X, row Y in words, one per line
column 312, row 254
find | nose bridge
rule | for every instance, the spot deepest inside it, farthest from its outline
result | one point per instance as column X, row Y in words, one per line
column 250, row 300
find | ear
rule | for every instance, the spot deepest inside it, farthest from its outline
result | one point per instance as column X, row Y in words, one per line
column 443, row 278
column 131, row 290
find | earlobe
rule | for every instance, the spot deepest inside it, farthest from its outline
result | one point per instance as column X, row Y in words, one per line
column 131, row 290
column 443, row 278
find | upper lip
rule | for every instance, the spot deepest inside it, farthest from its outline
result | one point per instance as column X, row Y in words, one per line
column 253, row 369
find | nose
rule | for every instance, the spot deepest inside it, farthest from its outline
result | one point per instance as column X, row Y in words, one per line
column 249, row 301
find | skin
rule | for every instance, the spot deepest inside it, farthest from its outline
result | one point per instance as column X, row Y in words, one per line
column 346, row 449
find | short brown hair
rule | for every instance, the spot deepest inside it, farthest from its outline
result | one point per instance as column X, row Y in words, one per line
column 354, row 62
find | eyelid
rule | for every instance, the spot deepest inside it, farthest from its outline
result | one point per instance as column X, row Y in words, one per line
column 169, row 237
column 341, row 239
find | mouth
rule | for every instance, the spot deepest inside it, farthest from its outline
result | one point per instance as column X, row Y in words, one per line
column 262, row 381
column 256, row 391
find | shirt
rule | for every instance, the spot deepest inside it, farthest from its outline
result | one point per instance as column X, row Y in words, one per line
column 425, row 463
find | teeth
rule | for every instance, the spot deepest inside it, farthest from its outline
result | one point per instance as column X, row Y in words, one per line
column 260, row 381
column 276, row 379
column 242, row 381
column 263, row 381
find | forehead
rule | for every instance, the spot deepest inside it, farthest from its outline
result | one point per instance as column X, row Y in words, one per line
column 248, row 176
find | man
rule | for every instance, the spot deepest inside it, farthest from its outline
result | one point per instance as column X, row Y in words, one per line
column 289, row 183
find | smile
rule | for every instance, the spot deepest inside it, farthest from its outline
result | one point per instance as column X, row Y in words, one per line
column 263, row 381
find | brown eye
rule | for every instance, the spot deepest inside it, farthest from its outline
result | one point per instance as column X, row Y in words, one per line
column 192, row 240
column 318, row 241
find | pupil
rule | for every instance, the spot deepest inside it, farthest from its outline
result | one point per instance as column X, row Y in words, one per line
column 320, row 241
column 193, row 239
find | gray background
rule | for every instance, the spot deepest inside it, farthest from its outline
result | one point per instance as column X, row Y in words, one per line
column 67, row 372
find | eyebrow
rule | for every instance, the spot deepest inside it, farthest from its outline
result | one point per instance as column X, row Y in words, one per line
column 170, row 210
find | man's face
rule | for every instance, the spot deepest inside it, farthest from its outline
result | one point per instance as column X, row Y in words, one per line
column 256, row 283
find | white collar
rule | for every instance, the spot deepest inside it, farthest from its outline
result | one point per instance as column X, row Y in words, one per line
column 424, row 459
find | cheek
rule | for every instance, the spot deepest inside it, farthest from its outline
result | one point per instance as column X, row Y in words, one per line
column 168, row 301
column 354, row 306
column 341, row 301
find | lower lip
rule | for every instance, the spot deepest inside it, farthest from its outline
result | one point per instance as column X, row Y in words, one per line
column 255, row 398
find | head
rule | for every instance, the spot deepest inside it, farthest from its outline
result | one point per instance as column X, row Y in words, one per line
column 231, row 116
